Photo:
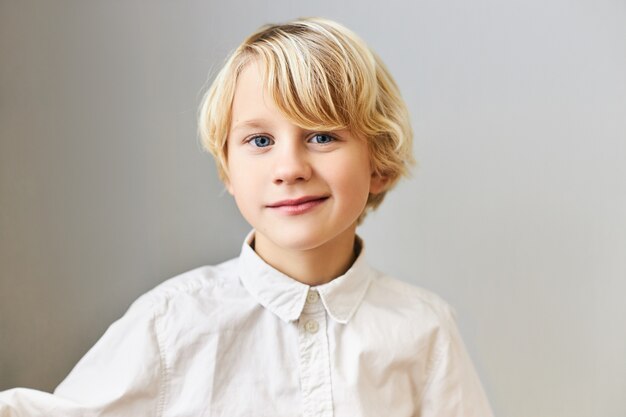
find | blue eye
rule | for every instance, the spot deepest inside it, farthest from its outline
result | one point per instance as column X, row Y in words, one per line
column 261, row 141
column 322, row 138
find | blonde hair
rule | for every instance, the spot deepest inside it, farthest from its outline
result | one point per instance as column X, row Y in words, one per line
column 322, row 77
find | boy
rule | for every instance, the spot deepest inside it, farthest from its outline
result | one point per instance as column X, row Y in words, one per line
column 309, row 131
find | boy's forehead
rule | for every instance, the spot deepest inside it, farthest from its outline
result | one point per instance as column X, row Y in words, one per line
column 249, row 82
column 252, row 104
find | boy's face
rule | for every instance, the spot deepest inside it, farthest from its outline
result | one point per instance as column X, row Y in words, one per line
column 299, row 189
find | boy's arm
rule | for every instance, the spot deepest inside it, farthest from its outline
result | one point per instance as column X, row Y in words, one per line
column 25, row 402
column 453, row 389
column 122, row 375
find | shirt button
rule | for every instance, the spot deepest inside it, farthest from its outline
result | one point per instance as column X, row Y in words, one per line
column 312, row 297
column 312, row 326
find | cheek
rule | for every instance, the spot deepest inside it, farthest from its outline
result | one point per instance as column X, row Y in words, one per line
column 351, row 180
column 245, row 200
column 241, row 187
column 245, row 185
column 239, row 174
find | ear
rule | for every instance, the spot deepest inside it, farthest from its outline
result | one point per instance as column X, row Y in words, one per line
column 229, row 188
column 225, row 177
column 378, row 183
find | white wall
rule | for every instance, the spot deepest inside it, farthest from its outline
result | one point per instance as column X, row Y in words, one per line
column 515, row 215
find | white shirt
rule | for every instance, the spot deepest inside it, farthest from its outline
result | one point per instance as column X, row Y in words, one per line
column 243, row 339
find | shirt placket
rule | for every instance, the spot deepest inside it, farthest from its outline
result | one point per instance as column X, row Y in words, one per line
column 314, row 359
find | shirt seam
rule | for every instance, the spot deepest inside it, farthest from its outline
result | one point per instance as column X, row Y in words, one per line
column 449, row 313
column 163, row 368
column 431, row 377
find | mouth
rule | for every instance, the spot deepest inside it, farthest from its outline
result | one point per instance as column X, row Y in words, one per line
column 298, row 205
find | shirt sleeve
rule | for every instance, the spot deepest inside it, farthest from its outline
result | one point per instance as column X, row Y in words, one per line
column 453, row 389
column 122, row 375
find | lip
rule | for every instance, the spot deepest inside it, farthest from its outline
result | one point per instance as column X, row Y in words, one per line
column 299, row 205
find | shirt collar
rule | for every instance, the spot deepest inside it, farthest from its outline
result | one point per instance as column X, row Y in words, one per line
column 285, row 297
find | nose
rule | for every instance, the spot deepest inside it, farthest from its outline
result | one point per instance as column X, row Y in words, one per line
column 292, row 165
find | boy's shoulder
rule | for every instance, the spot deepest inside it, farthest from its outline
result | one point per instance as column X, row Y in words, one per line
column 201, row 284
column 203, row 277
column 408, row 299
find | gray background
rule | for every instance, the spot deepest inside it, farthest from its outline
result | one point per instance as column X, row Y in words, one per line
column 515, row 215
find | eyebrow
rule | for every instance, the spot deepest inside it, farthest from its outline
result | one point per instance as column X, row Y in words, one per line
column 252, row 123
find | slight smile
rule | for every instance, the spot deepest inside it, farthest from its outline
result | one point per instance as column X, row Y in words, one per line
column 299, row 205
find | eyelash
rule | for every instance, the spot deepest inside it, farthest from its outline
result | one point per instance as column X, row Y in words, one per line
column 252, row 139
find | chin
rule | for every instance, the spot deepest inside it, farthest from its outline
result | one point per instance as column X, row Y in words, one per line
column 302, row 242
column 298, row 240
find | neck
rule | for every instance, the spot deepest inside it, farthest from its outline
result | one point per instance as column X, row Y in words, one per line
column 313, row 266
